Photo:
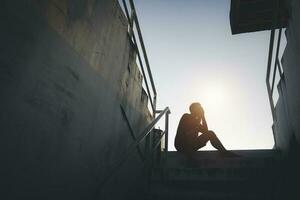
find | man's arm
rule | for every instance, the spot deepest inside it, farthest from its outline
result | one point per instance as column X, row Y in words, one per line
column 204, row 123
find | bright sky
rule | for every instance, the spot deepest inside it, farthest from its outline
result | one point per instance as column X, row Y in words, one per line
column 194, row 57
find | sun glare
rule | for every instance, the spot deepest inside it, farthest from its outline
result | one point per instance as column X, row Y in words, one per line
column 214, row 96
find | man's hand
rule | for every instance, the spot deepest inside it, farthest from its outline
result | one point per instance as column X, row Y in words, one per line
column 202, row 111
column 203, row 122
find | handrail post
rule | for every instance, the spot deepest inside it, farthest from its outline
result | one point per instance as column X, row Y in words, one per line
column 269, row 71
column 167, row 130
column 154, row 105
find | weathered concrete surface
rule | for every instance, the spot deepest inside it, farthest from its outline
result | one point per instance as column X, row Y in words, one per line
column 287, row 126
column 64, row 73
column 291, row 68
column 282, row 126
column 210, row 176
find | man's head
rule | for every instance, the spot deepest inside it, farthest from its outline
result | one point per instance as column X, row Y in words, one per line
column 196, row 109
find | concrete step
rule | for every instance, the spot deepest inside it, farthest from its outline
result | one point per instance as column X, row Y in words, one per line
column 225, row 189
column 209, row 166
column 224, row 196
column 212, row 159
column 209, row 176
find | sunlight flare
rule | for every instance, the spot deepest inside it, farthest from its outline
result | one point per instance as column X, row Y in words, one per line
column 215, row 96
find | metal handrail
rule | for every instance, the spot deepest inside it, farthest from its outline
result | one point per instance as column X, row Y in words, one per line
column 277, row 66
column 270, row 86
column 147, row 130
column 270, row 95
column 145, row 133
column 277, row 63
column 133, row 21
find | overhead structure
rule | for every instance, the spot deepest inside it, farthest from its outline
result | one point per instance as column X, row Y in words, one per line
column 257, row 15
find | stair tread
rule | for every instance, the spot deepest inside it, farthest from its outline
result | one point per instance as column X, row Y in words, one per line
column 210, row 159
column 209, row 176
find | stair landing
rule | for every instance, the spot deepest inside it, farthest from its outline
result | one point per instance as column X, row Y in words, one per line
column 210, row 176
column 209, row 159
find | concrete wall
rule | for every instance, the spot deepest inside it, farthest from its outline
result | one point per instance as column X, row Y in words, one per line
column 282, row 126
column 291, row 67
column 66, row 69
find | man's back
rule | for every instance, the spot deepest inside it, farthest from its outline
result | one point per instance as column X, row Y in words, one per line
column 186, row 131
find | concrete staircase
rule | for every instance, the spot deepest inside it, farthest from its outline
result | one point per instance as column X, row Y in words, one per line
column 209, row 176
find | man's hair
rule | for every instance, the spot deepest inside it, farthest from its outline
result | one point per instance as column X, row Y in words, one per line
column 195, row 106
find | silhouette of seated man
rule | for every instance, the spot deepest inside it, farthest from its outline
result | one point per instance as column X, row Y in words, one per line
column 187, row 138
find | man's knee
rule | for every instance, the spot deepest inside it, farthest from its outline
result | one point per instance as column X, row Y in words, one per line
column 212, row 134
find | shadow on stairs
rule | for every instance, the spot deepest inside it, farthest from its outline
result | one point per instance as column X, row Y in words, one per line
column 210, row 176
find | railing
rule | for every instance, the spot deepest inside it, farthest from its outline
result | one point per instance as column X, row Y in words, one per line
column 149, row 150
column 276, row 68
column 150, row 137
column 137, row 39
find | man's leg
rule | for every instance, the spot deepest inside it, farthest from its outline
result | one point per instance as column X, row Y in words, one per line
column 215, row 142
column 201, row 141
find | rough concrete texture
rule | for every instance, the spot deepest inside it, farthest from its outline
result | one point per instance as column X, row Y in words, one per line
column 282, row 123
column 65, row 72
column 291, row 68
column 210, row 176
